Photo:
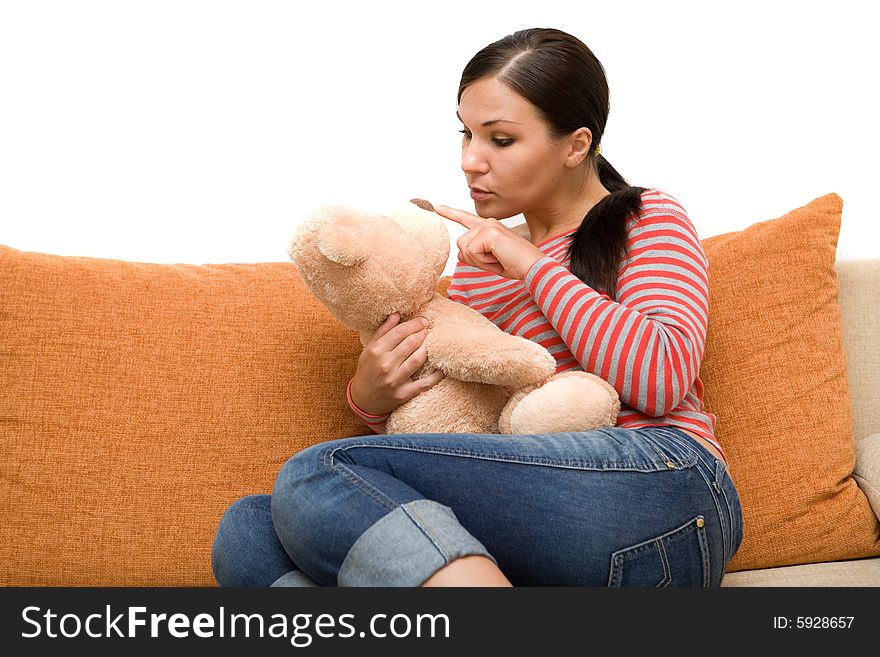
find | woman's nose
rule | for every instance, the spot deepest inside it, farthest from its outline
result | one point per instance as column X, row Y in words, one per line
column 472, row 161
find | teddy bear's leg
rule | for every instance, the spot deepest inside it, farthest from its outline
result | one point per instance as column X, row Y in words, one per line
column 451, row 406
column 570, row 401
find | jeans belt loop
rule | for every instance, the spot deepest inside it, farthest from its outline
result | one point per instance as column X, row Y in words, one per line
column 719, row 475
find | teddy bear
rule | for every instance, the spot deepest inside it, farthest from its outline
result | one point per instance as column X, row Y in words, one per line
column 365, row 266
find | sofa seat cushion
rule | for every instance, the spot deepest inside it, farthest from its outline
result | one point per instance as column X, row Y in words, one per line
column 859, row 572
column 138, row 400
column 774, row 373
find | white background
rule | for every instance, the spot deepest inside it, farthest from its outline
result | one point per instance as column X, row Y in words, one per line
column 203, row 131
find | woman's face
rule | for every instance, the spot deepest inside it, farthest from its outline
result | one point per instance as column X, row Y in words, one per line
column 511, row 162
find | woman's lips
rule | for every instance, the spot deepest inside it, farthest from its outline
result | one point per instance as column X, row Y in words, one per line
column 479, row 194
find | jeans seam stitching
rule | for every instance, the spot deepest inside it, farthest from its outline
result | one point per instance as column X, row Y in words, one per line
column 725, row 540
column 723, row 494
column 626, row 466
column 442, row 549
column 664, row 559
column 704, row 551
column 357, row 481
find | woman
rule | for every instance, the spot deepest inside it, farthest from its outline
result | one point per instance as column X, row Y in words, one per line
column 610, row 278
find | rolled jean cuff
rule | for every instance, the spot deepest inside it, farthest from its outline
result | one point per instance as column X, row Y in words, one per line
column 407, row 546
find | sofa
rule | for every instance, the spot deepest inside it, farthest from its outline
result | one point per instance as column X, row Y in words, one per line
column 138, row 400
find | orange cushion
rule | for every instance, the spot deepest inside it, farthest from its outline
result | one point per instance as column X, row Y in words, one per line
column 774, row 373
column 138, row 400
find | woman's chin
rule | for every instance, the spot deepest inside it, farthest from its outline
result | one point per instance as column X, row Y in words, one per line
column 491, row 208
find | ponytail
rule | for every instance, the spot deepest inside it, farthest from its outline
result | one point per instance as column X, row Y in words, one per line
column 600, row 243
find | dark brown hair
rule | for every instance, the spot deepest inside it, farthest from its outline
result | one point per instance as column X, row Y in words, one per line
column 559, row 75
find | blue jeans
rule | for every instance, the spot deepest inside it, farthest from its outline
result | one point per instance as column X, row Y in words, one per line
column 610, row 507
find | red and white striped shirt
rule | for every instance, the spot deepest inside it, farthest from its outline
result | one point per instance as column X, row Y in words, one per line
column 648, row 344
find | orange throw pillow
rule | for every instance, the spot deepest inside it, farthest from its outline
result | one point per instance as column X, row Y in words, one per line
column 138, row 400
column 774, row 373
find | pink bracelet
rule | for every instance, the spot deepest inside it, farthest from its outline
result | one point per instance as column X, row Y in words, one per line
column 355, row 408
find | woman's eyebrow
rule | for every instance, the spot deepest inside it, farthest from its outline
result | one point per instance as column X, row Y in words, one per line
column 486, row 124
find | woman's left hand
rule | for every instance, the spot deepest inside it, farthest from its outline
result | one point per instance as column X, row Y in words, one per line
column 492, row 246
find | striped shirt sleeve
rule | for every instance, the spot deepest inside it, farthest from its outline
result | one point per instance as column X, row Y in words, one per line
column 375, row 422
column 649, row 343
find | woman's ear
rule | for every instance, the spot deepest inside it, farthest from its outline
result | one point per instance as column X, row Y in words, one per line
column 579, row 143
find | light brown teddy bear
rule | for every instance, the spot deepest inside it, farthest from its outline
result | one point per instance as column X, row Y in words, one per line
column 364, row 267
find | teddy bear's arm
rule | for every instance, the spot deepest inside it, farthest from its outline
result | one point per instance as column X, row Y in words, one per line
column 467, row 346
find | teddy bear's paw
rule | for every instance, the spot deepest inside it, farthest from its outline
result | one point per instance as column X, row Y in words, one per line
column 571, row 401
column 524, row 364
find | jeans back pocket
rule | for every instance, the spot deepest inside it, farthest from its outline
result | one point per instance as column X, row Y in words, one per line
column 677, row 558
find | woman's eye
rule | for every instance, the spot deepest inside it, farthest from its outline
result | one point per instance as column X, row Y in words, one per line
column 503, row 142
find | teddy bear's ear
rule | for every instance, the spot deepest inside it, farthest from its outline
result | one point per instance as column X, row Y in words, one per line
column 343, row 242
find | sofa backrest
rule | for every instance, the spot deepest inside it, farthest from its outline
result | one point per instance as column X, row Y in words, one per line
column 137, row 401
column 860, row 311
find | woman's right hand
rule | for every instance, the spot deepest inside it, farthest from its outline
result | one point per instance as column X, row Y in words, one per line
column 396, row 351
